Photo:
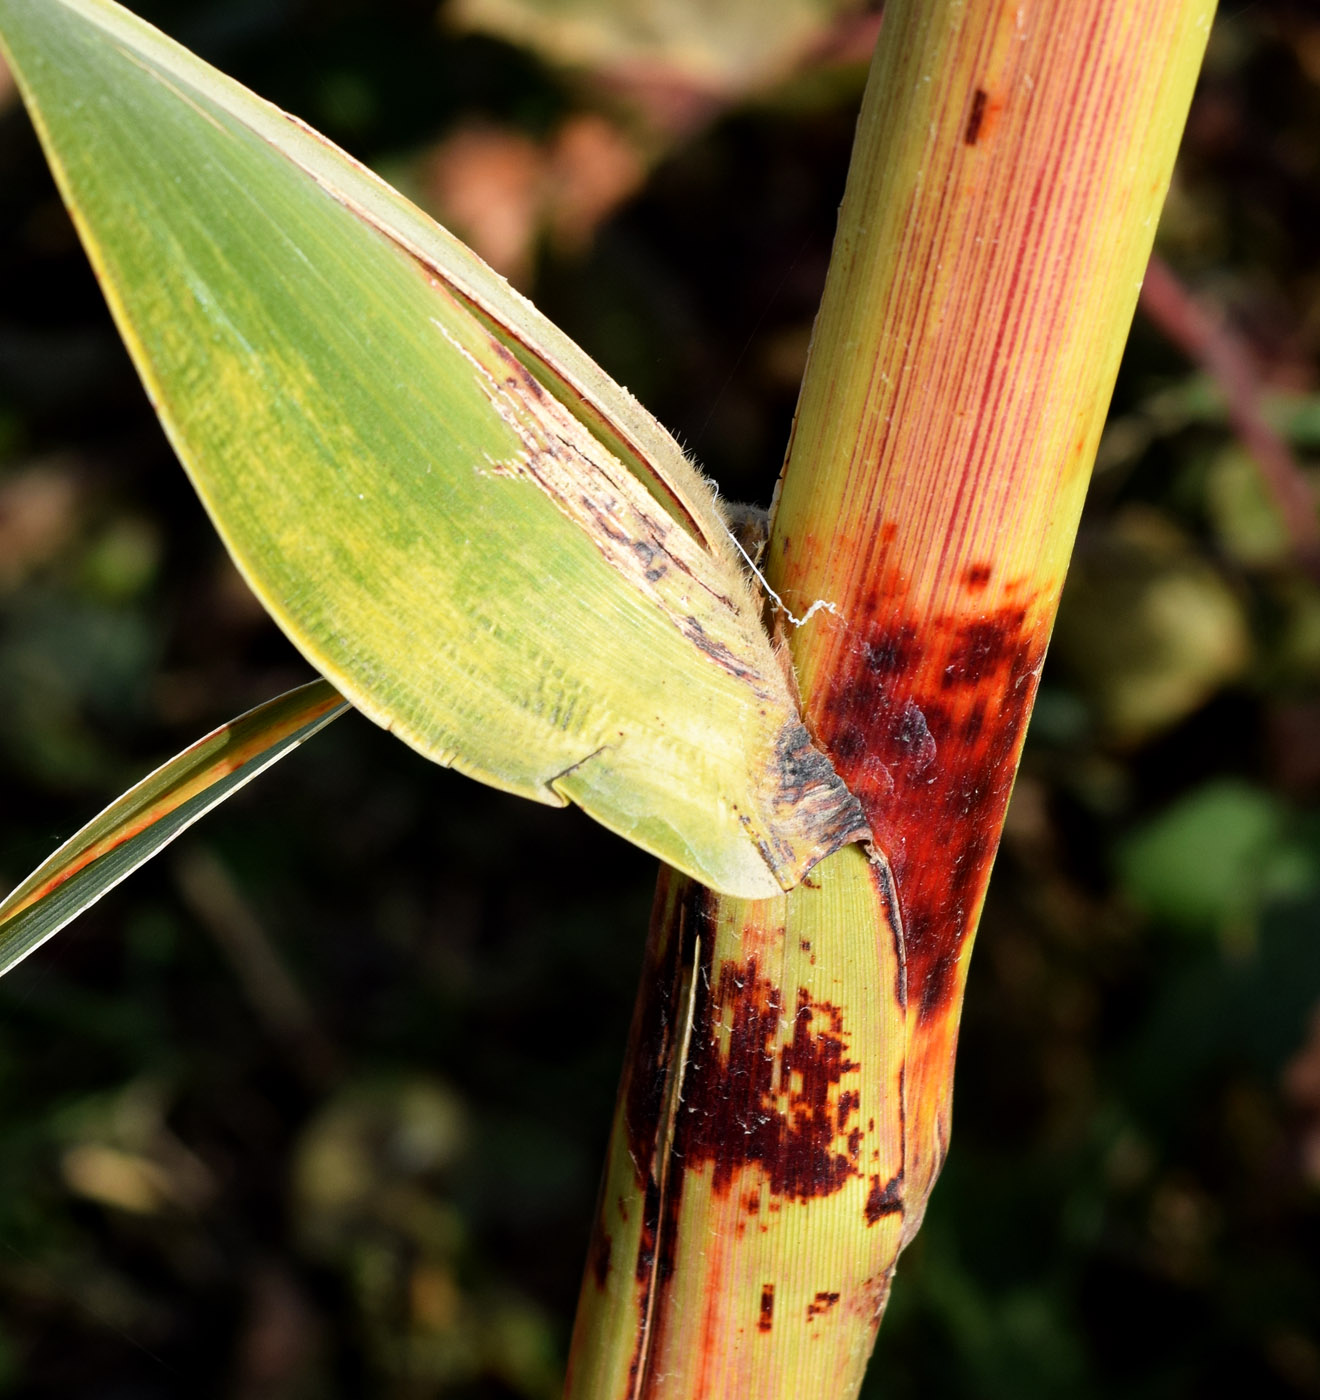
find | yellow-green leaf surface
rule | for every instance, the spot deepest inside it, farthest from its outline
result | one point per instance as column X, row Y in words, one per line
column 488, row 546
column 149, row 816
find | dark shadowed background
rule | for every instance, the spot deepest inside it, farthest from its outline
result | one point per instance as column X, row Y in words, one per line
column 314, row 1106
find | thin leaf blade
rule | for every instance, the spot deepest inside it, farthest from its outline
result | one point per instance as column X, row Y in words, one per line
column 155, row 811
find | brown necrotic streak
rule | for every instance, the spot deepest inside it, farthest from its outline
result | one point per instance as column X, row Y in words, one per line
column 657, row 1018
column 767, row 1319
column 601, row 1248
column 975, row 116
column 680, row 924
column 822, row 1303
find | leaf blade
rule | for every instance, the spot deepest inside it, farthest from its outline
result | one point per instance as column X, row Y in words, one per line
column 154, row 812
column 486, row 545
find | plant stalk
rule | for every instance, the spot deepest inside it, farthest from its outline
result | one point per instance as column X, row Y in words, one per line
column 786, row 1099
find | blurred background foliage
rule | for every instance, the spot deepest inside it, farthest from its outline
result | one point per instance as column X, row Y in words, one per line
column 314, row 1106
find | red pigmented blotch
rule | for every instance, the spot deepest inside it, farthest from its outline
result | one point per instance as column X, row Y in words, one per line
column 975, row 117
column 769, row 1098
column 886, row 1199
column 924, row 723
column 822, row 1303
column 976, row 576
column 751, row 1101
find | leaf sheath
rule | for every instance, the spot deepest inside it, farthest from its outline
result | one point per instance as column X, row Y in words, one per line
column 484, row 543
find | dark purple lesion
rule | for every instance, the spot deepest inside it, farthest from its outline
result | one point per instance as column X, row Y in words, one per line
column 752, row 1101
column 972, row 131
column 924, row 723
column 714, row 1087
column 821, row 1303
column 977, row 576
column 982, row 648
column 884, row 1199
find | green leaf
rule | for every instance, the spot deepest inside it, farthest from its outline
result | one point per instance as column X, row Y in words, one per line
column 486, row 545
column 1209, row 861
column 149, row 816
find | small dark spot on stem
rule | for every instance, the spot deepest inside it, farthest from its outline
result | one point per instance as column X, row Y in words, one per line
column 601, row 1249
column 977, row 576
column 976, row 116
